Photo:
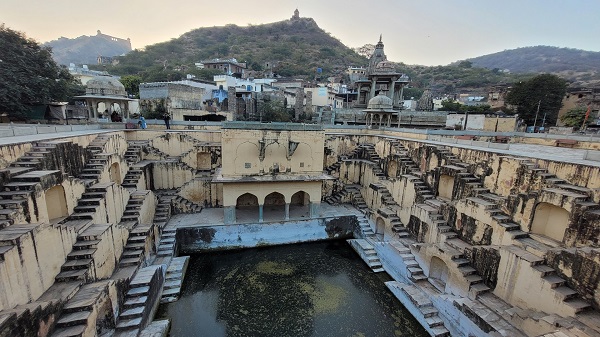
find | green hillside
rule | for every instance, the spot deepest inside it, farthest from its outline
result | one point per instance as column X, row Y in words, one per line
column 580, row 67
column 296, row 47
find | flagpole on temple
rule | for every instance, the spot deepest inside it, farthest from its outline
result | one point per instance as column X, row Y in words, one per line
column 587, row 115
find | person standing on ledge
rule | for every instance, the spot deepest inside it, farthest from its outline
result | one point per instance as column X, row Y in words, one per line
column 167, row 119
column 142, row 122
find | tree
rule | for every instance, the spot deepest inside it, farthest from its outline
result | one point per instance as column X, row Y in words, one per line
column 366, row 50
column 132, row 85
column 274, row 111
column 574, row 117
column 545, row 90
column 449, row 105
column 30, row 75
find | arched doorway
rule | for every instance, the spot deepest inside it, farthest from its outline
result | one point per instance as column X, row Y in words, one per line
column 446, row 186
column 246, row 208
column 300, row 205
column 438, row 273
column 101, row 108
column 56, row 203
column 114, row 173
column 392, row 169
column 550, row 221
column 379, row 228
column 274, row 207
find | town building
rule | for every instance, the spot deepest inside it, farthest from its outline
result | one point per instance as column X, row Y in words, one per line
column 183, row 100
column 227, row 66
column 581, row 98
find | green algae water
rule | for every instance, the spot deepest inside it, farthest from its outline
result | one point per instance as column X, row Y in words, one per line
column 307, row 290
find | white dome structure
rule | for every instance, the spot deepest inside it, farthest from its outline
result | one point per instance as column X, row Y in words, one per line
column 105, row 86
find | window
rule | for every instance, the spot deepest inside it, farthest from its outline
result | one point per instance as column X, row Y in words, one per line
column 247, row 165
column 302, row 164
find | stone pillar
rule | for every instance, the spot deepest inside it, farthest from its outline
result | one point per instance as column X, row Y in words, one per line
column 380, row 119
column 299, row 103
column 249, row 107
column 232, row 102
column 308, row 106
column 260, row 213
column 373, row 84
column 287, row 210
column 314, row 210
column 229, row 214
column 358, row 93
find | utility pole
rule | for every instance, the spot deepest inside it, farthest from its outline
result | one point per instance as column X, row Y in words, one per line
column 536, row 115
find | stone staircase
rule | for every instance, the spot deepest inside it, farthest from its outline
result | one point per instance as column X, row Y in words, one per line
column 166, row 245
column 138, row 244
column 183, row 205
column 17, row 196
column 80, row 314
column 132, row 177
column 141, row 301
column 419, row 304
column 134, row 151
column 163, row 210
column 80, row 261
column 97, row 162
column 337, row 197
column 569, row 296
column 365, row 228
column 414, row 271
column 357, row 199
column 367, row 253
column 174, row 279
column 334, row 168
column 88, row 204
column 131, row 215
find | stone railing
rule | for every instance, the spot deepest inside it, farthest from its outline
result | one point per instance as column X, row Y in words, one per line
column 11, row 130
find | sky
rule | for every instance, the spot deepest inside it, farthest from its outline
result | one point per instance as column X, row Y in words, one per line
column 425, row 32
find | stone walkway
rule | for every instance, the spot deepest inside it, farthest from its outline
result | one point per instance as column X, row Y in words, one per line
column 214, row 216
column 48, row 136
column 552, row 153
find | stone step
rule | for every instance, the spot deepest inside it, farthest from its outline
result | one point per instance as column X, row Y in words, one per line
column 478, row 288
column 72, row 319
column 554, row 280
column 71, row 275
column 129, row 324
column 135, row 302
column 132, row 253
column 138, row 291
column 466, row 270
column 132, row 313
column 578, row 305
column 76, row 264
column 81, row 254
column 73, row 331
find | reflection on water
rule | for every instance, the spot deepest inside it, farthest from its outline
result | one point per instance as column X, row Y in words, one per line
column 305, row 290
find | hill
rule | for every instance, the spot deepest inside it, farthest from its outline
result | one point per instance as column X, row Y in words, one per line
column 577, row 66
column 294, row 47
column 86, row 49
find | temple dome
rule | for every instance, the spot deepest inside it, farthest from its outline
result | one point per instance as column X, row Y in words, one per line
column 380, row 102
column 105, row 86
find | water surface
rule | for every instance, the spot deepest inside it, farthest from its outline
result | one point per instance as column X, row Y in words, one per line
column 308, row 290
